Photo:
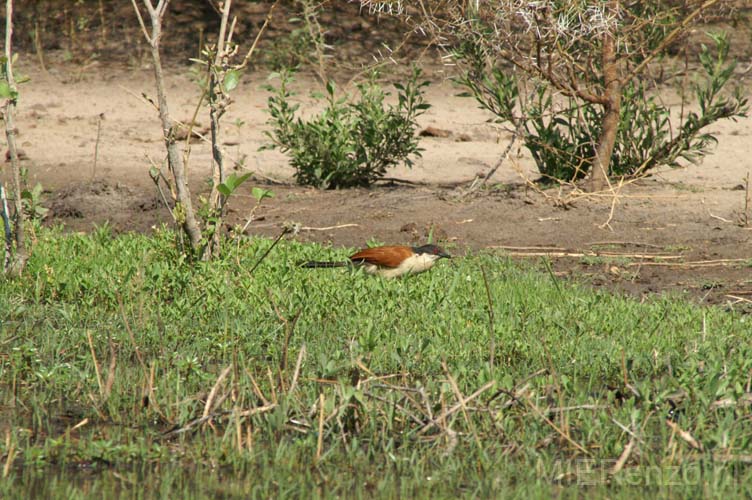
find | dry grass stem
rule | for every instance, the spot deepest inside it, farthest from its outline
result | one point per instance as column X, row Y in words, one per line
column 686, row 436
column 563, row 434
column 96, row 363
column 10, row 447
column 214, row 390
column 213, row 416
column 298, row 365
column 110, row 371
column 739, row 299
column 256, row 389
column 491, row 329
column 622, row 460
column 461, row 404
column 80, row 424
column 320, row 438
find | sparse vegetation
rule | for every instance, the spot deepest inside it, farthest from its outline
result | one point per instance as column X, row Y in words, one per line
column 291, row 51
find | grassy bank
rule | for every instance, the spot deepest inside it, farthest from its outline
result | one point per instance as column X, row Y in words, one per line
column 125, row 370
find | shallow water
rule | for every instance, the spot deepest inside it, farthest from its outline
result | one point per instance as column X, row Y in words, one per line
column 171, row 481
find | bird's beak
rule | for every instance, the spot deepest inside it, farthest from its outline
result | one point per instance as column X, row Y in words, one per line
column 445, row 255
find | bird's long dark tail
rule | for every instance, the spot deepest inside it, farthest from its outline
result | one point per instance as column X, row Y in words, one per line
column 318, row 264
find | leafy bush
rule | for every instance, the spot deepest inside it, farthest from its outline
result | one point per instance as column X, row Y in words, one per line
column 350, row 143
column 290, row 50
column 561, row 137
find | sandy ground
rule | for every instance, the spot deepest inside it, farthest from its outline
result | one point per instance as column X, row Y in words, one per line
column 692, row 213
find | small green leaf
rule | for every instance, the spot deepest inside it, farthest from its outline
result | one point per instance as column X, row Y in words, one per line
column 226, row 191
column 260, row 193
column 241, row 179
column 5, row 91
column 231, row 183
column 232, row 78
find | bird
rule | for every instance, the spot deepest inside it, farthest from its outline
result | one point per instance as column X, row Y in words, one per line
column 389, row 261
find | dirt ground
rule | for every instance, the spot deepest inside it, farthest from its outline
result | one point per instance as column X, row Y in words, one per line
column 691, row 215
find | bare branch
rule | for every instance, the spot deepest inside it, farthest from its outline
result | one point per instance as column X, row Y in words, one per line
column 141, row 21
column 268, row 19
column 223, row 30
column 669, row 39
column 161, row 7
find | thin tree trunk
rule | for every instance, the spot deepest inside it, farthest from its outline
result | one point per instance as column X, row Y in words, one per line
column 216, row 200
column 8, row 232
column 18, row 262
column 216, row 110
column 598, row 177
column 184, row 207
column 175, row 160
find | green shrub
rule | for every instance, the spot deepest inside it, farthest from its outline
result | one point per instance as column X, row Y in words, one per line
column 350, row 143
column 291, row 50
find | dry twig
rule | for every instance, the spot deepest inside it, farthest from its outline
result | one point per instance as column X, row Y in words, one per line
column 686, row 436
column 212, row 416
column 214, row 390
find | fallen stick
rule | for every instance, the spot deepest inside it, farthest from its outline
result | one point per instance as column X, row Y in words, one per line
column 595, row 254
column 457, row 406
column 328, row 228
column 509, row 247
column 624, row 244
column 696, row 263
column 738, row 299
column 200, row 420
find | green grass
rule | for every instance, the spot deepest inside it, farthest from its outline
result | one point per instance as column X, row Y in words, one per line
column 573, row 367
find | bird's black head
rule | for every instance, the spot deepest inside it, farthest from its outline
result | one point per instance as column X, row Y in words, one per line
column 432, row 250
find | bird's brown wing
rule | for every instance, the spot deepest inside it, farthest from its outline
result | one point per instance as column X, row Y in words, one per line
column 387, row 256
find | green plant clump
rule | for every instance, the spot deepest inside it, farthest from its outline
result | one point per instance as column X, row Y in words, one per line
column 561, row 135
column 349, row 144
column 291, row 50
